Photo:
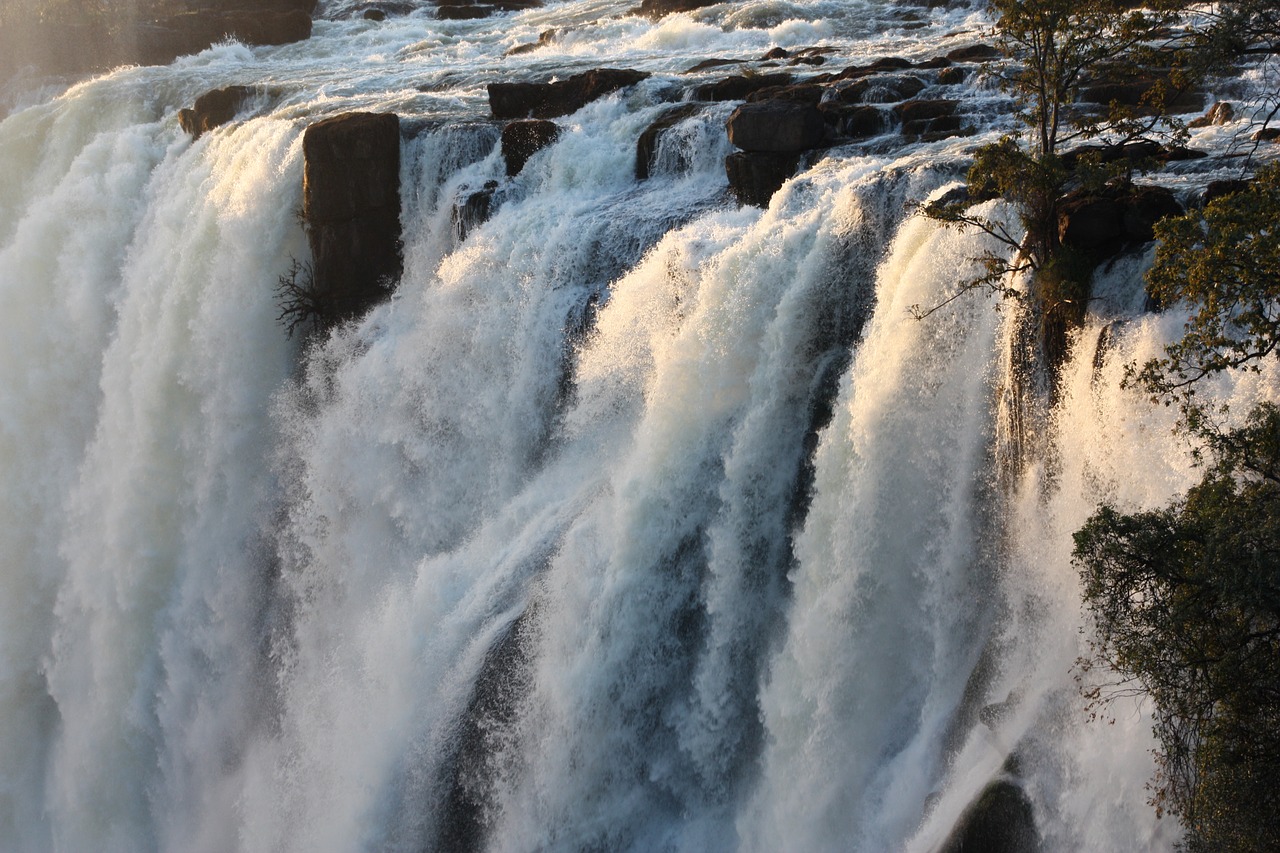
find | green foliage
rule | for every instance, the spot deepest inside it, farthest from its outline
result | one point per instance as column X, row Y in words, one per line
column 1186, row 600
column 1224, row 261
column 1058, row 44
column 1186, row 603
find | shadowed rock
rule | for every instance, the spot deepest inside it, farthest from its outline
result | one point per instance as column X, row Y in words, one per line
column 754, row 176
column 548, row 100
column 524, row 138
column 351, row 204
column 213, row 109
column 776, row 126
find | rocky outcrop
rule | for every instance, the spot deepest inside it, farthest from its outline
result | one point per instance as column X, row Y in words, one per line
column 661, row 8
column 548, row 100
column 754, row 176
column 928, row 119
column 1221, row 112
column 351, row 204
column 524, row 138
column 1100, row 224
column 1001, row 820
column 739, row 86
column 213, row 109
column 881, row 89
column 470, row 10
column 647, row 144
column 776, row 126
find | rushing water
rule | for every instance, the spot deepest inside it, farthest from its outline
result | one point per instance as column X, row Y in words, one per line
column 634, row 521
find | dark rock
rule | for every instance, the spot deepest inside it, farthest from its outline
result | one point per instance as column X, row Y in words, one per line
column 647, row 144
column 738, row 87
column 548, row 100
column 928, row 118
column 474, row 210
column 1091, row 224
column 1267, row 134
column 213, row 109
column 524, row 138
column 1100, row 224
column 952, row 76
column 1144, row 206
column 1178, row 153
column 712, row 63
column 374, row 15
column 1220, row 189
column 470, row 12
column 1001, row 820
column 855, row 122
column 545, row 38
column 1135, row 93
column 804, row 93
column 813, row 61
column 974, row 53
column 351, row 204
column 776, row 126
column 934, row 63
column 1220, row 113
column 887, row 63
column 777, row 53
column 754, row 176
column 661, row 8
column 881, row 89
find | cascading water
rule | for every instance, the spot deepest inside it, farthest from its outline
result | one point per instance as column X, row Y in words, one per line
column 634, row 520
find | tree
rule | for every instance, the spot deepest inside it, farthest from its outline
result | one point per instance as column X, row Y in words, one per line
column 1186, row 600
column 1054, row 47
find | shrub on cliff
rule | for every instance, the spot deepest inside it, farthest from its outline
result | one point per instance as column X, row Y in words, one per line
column 1186, row 599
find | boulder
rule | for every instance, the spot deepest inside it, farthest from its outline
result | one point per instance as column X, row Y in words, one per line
column 548, row 100
column 1091, row 224
column 523, row 138
column 855, row 122
column 647, row 144
column 1220, row 189
column 1134, row 94
column 1144, row 206
column 1220, row 113
column 974, row 53
column 881, row 89
column 351, row 204
column 545, row 38
column 1267, row 134
column 213, row 109
column 952, row 76
column 473, row 210
column 928, row 118
column 712, row 63
column 754, row 176
column 776, row 126
column 661, row 8
column 1099, row 224
column 739, row 87
column 804, row 93
column 1001, row 820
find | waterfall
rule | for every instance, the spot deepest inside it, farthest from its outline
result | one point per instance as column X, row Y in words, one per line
column 633, row 520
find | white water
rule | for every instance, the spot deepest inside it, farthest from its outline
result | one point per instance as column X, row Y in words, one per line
column 247, row 592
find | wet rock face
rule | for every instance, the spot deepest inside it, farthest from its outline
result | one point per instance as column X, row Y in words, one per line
column 662, row 8
column 1001, row 820
column 351, row 203
column 776, row 126
column 1101, row 224
column 548, row 100
column 647, row 144
column 213, row 109
column 522, row 139
column 754, row 176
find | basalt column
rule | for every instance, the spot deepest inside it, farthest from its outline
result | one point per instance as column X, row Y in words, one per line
column 352, row 209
